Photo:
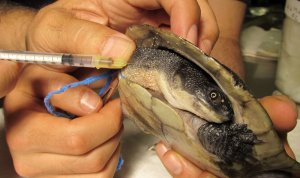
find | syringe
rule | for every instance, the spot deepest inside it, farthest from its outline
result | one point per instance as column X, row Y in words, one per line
column 78, row 60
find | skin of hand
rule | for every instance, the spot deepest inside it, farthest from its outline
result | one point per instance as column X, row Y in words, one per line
column 181, row 17
column 42, row 145
column 229, row 15
column 9, row 72
column 184, row 18
column 11, row 29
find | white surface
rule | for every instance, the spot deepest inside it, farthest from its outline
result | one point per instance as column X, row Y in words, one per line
column 139, row 160
column 259, row 43
column 287, row 78
column 294, row 139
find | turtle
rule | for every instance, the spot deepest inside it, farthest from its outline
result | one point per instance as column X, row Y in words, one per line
column 200, row 108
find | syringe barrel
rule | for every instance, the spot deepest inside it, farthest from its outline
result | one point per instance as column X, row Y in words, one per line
column 77, row 60
column 31, row 57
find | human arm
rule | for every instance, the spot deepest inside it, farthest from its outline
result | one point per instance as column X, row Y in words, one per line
column 13, row 25
column 229, row 15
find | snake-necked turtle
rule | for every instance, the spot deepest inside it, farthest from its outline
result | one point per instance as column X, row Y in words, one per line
column 171, row 89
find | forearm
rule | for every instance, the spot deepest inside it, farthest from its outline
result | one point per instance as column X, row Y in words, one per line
column 228, row 52
column 14, row 21
column 229, row 15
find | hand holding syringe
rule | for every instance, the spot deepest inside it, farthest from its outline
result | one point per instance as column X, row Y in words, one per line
column 80, row 60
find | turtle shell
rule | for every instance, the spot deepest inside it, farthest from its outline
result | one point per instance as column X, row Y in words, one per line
column 165, row 90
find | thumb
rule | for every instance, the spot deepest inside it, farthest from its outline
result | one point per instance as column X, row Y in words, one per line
column 178, row 166
column 57, row 30
column 282, row 110
column 9, row 73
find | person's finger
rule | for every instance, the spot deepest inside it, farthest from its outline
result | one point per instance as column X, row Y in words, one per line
column 178, row 166
column 208, row 30
column 66, row 33
column 282, row 111
column 89, row 10
column 9, row 72
column 184, row 15
column 79, row 101
column 286, row 145
column 107, row 172
column 31, row 164
column 156, row 18
column 29, row 128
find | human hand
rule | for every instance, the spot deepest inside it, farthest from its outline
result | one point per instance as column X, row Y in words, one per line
column 42, row 145
column 54, row 29
column 86, row 24
column 83, row 28
column 189, row 19
column 283, row 113
column 9, row 72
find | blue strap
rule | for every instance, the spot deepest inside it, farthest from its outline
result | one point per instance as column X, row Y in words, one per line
column 47, row 100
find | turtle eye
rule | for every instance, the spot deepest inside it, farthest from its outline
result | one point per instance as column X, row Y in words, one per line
column 220, row 102
column 213, row 95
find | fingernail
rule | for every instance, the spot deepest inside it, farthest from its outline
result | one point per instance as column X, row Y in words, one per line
column 118, row 47
column 192, row 34
column 161, row 149
column 89, row 101
column 173, row 164
column 206, row 46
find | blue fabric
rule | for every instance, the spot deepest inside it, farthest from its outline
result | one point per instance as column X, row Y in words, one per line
column 87, row 81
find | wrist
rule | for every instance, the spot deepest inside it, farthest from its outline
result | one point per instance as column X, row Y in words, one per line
column 14, row 21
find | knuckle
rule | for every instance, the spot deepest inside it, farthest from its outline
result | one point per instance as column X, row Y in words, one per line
column 117, row 124
column 95, row 164
column 217, row 33
column 51, row 16
column 214, row 33
column 16, row 142
column 51, row 20
column 77, row 144
column 22, row 169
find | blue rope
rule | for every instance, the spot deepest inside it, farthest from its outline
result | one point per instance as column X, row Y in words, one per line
column 120, row 163
column 87, row 81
